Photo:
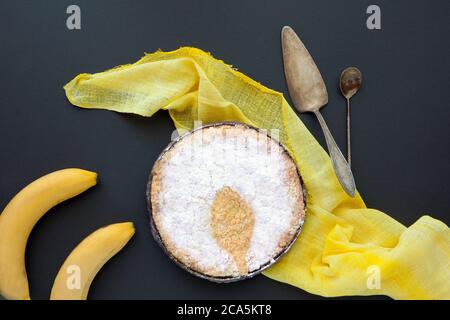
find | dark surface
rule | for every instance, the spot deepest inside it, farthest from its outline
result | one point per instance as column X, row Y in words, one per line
column 400, row 118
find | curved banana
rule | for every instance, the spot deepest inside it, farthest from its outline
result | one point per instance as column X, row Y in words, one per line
column 76, row 274
column 21, row 214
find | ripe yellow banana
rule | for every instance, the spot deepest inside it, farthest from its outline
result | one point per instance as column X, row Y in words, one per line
column 21, row 214
column 76, row 274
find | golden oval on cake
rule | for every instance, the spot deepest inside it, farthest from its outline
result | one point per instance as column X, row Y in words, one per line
column 225, row 201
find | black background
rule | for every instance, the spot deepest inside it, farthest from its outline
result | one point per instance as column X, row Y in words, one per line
column 400, row 118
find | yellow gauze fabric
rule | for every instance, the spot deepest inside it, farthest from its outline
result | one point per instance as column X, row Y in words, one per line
column 344, row 248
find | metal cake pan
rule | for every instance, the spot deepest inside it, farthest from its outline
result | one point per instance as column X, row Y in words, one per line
column 157, row 236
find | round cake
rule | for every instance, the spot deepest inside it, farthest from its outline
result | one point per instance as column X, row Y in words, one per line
column 226, row 201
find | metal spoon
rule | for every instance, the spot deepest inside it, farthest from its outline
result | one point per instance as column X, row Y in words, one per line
column 350, row 82
column 309, row 93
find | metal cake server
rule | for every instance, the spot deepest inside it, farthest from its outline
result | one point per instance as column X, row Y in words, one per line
column 309, row 93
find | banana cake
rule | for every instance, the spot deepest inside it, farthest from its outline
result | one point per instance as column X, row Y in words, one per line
column 226, row 201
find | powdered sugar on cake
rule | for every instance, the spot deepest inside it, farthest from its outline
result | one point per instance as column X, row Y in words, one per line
column 248, row 162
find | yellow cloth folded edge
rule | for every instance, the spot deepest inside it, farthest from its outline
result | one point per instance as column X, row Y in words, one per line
column 344, row 247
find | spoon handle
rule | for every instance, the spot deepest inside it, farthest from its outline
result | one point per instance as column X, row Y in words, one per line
column 341, row 167
column 349, row 147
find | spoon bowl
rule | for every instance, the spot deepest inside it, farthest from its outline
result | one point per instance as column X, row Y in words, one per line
column 350, row 82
